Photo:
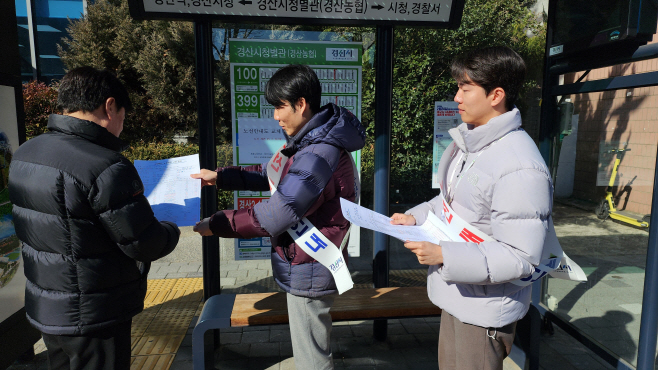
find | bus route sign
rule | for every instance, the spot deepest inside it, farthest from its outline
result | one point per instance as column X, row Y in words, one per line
column 432, row 13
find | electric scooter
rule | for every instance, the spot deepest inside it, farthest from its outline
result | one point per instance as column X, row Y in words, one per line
column 607, row 206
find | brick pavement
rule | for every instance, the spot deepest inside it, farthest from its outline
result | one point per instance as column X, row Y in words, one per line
column 411, row 343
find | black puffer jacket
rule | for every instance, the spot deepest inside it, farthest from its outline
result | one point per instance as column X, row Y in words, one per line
column 80, row 211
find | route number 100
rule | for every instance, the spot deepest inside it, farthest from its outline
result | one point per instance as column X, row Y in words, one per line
column 247, row 73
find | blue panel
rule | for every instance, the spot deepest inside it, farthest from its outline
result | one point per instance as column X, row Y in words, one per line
column 59, row 9
column 41, row 28
column 21, row 8
column 62, row 9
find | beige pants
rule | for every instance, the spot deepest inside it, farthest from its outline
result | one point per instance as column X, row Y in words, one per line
column 469, row 347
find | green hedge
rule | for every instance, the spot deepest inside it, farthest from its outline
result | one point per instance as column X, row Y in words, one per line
column 155, row 151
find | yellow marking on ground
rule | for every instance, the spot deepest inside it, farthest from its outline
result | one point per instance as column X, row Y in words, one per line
column 161, row 284
column 157, row 345
column 198, row 310
column 158, row 331
column 151, row 362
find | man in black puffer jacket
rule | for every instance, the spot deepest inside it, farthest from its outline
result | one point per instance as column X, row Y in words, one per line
column 88, row 232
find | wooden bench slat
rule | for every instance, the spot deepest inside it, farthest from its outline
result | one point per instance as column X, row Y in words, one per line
column 361, row 304
column 259, row 309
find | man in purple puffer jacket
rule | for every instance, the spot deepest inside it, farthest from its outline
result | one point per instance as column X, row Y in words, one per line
column 317, row 173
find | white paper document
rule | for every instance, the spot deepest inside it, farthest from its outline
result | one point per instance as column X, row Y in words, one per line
column 431, row 231
column 258, row 139
column 173, row 194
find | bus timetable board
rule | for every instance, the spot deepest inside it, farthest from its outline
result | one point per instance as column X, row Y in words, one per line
column 256, row 134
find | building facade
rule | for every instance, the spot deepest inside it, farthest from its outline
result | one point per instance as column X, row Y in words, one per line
column 41, row 26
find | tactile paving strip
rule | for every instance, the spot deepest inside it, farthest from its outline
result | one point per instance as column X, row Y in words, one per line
column 143, row 320
column 158, row 331
column 151, row 362
column 191, row 283
column 157, row 345
column 173, row 318
column 161, row 284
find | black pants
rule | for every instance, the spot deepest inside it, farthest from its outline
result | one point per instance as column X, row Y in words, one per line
column 106, row 349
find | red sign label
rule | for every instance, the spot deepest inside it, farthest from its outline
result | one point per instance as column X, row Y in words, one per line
column 446, row 212
column 276, row 163
column 249, row 202
column 470, row 237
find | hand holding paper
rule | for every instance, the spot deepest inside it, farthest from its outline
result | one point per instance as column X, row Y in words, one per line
column 426, row 252
column 203, row 227
column 423, row 240
column 208, row 177
column 429, row 231
column 402, row 219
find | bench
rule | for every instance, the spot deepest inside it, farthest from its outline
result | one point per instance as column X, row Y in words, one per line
column 236, row 310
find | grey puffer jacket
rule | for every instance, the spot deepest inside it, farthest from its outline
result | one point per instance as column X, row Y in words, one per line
column 507, row 194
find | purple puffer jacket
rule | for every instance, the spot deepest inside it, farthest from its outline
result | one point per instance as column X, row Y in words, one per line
column 317, row 174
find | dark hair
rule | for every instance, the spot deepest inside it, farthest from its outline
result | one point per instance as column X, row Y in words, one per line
column 87, row 88
column 291, row 83
column 492, row 67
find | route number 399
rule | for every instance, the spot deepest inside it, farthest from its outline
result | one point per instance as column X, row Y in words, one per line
column 246, row 100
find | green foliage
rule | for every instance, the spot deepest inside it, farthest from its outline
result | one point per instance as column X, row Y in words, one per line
column 154, row 59
column 156, row 151
column 39, row 101
column 421, row 76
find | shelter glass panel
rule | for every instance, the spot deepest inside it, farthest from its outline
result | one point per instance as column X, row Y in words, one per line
column 245, row 57
column 603, row 189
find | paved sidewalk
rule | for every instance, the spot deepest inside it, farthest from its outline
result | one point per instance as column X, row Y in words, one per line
column 411, row 343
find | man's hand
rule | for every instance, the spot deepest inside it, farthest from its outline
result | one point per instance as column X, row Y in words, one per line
column 402, row 219
column 207, row 177
column 427, row 253
column 203, row 227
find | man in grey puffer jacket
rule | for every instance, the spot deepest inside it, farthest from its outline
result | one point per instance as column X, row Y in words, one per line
column 494, row 178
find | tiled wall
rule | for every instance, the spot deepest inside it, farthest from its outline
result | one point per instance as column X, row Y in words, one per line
column 628, row 115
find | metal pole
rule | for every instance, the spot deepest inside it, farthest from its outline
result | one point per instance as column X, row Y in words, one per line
column 207, row 151
column 548, row 105
column 649, row 319
column 34, row 38
column 383, row 118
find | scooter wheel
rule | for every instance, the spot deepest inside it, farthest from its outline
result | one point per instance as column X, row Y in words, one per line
column 602, row 210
